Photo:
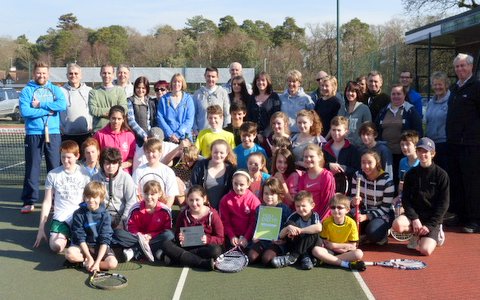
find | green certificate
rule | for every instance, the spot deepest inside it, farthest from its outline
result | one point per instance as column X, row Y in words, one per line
column 268, row 223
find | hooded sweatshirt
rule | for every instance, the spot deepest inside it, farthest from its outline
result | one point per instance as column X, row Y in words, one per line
column 436, row 117
column 76, row 119
column 291, row 104
column 48, row 111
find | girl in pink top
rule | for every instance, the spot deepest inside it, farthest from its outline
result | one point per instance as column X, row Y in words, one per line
column 317, row 180
column 118, row 135
column 283, row 168
column 237, row 211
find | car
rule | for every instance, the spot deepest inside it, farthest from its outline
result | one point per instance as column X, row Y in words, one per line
column 9, row 104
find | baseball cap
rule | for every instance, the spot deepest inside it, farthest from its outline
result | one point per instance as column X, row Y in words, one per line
column 156, row 132
column 426, row 144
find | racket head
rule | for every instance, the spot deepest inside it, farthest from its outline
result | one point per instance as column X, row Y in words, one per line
column 341, row 183
column 43, row 94
column 232, row 261
column 146, row 178
column 107, row 281
column 401, row 236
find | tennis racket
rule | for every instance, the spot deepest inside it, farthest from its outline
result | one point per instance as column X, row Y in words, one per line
column 107, row 281
column 399, row 263
column 341, row 183
column 146, row 178
column 357, row 210
column 232, row 261
column 44, row 94
column 400, row 236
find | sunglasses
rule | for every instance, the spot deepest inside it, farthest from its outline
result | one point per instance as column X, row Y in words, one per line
column 160, row 90
column 339, row 207
column 319, row 79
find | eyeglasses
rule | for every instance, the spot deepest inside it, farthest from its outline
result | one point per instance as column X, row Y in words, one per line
column 339, row 207
column 318, row 79
column 160, row 90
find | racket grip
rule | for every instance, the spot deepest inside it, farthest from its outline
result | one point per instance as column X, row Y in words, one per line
column 47, row 135
column 370, row 263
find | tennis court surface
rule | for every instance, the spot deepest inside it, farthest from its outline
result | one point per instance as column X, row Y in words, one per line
column 452, row 272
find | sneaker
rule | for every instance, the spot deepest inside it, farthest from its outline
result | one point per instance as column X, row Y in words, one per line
column 471, row 228
column 26, row 209
column 158, row 254
column 306, row 263
column 441, row 236
column 128, row 254
column 145, row 247
column 283, row 261
column 76, row 265
column 413, row 243
column 358, row 265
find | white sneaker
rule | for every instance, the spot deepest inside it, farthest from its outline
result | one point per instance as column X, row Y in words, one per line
column 441, row 236
column 413, row 243
column 128, row 254
column 145, row 247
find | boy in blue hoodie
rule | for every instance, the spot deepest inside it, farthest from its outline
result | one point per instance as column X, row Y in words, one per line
column 92, row 232
column 39, row 114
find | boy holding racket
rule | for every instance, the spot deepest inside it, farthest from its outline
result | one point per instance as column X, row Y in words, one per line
column 301, row 233
column 40, row 103
column 92, row 232
column 425, row 200
column 64, row 183
column 340, row 237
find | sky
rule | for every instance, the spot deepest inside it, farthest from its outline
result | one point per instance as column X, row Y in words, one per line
column 146, row 15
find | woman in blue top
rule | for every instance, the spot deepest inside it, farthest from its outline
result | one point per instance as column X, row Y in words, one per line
column 176, row 111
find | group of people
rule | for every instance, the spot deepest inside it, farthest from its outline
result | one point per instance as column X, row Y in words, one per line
column 224, row 152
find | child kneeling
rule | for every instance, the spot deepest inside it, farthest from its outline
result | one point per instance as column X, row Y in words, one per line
column 340, row 237
column 92, row 232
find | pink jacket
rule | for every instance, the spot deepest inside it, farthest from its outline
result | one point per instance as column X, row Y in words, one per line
column 144, row 222
column 238, row 214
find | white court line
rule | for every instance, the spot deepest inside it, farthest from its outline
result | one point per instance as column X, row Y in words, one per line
column 180, row 284
column 363, row 285
column 12, row 166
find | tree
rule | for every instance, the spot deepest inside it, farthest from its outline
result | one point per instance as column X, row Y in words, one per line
column 227, row 24
column 258, row 30
column 113, row 38
column 199, row 25
column 289, row 31
column 67, row 22
column 429, row 6
column 25, row 52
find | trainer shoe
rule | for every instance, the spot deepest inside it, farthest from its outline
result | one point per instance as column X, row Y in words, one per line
column 471, row 228
column 413, row 243
column 167, row 260
column 26, row 209
column 283, row 261
column 358, row 265
column 441, row 236
column 158, row 254
column 128, row 254
column 145, row 247
column 384, row 241
column 306, row 263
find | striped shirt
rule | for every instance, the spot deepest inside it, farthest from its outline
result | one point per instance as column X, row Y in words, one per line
column 377, row 195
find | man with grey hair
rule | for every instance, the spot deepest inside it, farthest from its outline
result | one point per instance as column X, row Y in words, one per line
column 463, row 138
column 76, row 121
column 123, row 79
column 235, row 69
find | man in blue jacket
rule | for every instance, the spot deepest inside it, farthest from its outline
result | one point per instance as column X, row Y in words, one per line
column 40, row 114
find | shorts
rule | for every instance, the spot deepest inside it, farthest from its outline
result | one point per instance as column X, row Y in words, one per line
column 60, row 227
column 433, row 234
column 94, row 252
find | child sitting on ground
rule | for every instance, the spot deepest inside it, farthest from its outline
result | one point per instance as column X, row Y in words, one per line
column 257, row 170
column 301, row 232
column 273, row 194
column 64, row 183
column 340, row 237
column 92, row 232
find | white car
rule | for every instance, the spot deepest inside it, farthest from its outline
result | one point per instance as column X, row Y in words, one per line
column 9, row 104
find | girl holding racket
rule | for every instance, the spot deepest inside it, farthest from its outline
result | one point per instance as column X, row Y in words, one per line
column 237, row 211
column 317, row 180
column 283, row 168
column 374, row 200
column 117, row 134
column 215, row 173
column 273, row 194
